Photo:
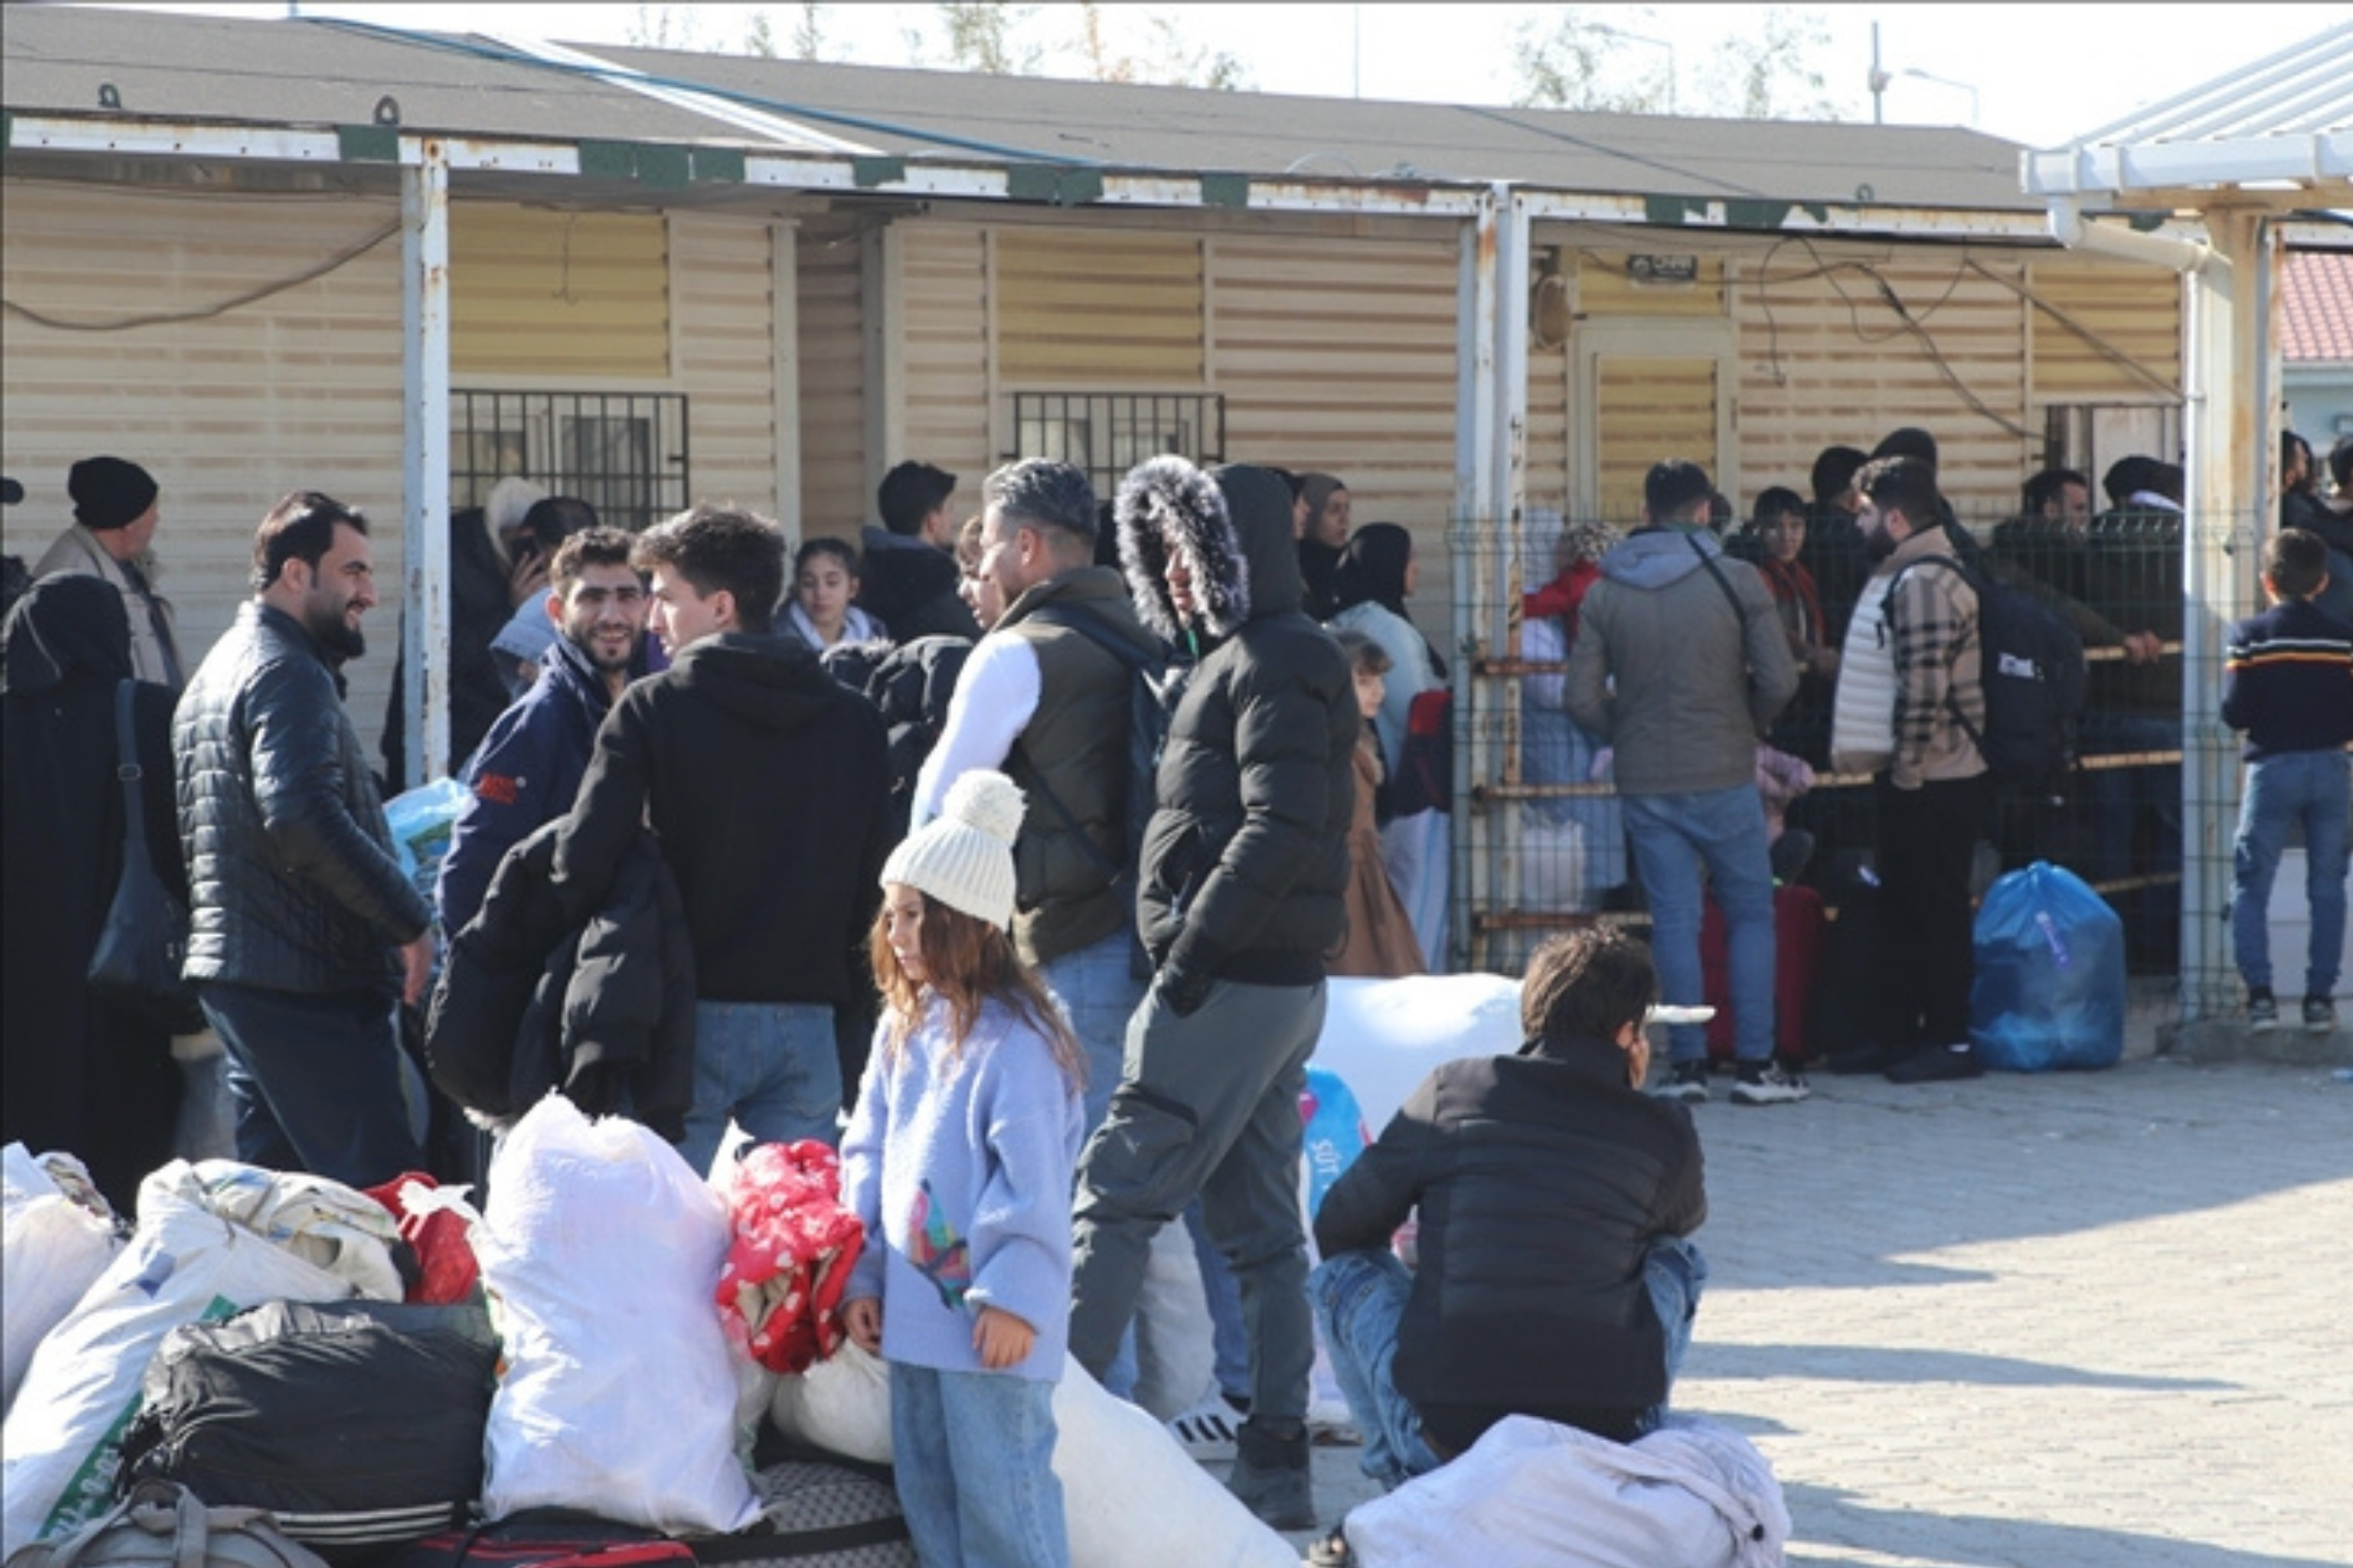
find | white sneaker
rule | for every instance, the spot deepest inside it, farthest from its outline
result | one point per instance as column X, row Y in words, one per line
column 1207, row 1429
column 1769, row 1084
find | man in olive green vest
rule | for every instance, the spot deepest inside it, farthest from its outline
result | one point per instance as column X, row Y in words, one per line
column 1046, row 702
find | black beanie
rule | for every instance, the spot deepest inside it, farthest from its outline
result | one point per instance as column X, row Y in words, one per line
column 109, row 492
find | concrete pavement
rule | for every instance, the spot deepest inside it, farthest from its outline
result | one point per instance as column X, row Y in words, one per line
column 2077, row 1320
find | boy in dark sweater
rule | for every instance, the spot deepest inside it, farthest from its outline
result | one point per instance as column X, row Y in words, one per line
column 1555, row 1277
column 2288, row 683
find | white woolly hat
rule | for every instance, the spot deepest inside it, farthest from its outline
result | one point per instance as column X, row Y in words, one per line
column 964, row 857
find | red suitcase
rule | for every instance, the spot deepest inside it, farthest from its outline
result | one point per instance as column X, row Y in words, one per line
column 1798, row 922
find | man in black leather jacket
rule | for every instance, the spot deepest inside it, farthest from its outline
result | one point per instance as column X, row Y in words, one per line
column 1553, row 1280
column 303, row 931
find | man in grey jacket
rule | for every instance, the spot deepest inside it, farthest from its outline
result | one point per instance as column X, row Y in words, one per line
column 1680, row 665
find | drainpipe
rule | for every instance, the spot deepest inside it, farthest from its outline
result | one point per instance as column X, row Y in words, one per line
column 2068, row 228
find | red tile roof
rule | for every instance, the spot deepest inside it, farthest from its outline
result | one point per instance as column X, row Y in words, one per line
column 2316, row 306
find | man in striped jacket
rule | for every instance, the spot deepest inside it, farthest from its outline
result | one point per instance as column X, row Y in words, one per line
column 1909, row 698
column 2288, row 683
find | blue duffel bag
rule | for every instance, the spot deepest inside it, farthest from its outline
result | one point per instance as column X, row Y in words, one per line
column 2050, row 987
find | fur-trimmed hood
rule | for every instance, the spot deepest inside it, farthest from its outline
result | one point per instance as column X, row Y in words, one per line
column 1232, row 531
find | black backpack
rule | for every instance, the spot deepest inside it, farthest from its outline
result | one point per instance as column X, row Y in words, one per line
column 2031, row 664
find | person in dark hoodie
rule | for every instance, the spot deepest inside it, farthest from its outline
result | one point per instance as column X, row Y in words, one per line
column 908, row 581
column 529, row 767
column 1556, row 1140
column 1682, row 666
column 81, row 1074
column 767, row 786
column 1243, row 881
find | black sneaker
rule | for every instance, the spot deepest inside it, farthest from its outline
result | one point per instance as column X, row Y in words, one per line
column 1767, row 1083
column 2262, row 1010
column 1271, row 1476
column 1938, row 1064
column 2319, row 1015
column 1686, row 1082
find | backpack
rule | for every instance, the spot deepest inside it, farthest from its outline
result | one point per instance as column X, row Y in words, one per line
column 160, row 1525
column 357, row 1424
column 1425, row 773
column 1152, row 697
column 2031, row 664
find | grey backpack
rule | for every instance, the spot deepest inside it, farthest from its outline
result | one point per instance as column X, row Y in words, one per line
column 164, row 1525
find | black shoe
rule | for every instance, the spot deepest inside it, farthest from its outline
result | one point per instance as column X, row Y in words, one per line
column 1869, row 1056
column 1938, row 1064
column 1271, row 1476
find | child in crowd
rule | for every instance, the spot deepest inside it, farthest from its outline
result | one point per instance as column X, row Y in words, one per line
column 2288, row 682
column 959, row 1162
column 1380, row 943
column 825, row 582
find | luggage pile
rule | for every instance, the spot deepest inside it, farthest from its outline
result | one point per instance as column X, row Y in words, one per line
column 277, row 1369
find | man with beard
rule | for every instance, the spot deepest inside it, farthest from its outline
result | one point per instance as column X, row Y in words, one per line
column 531, row 764
column 303, row 931
column 1910, row 703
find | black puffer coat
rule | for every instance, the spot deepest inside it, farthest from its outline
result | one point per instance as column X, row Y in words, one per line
column 293, row 881
column 1542, row 1180
column 1245, row 865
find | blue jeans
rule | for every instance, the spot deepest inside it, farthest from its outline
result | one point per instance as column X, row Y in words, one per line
column 772, row 1066
column 316, row 1081
column 973, row 1454
column 2315, row 788
column 1229, row 1339
column 1099, row 994
column 1360, row 1298
column 1723, row 830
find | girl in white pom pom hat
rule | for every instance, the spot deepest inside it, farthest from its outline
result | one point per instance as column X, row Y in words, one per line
column 959, row 1162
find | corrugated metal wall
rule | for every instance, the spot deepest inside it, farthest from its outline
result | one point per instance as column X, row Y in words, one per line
column 300, row 390
column 725, row 355
column 945, row 272
column 2104, row 332
column 534, row 292
column 835, row 496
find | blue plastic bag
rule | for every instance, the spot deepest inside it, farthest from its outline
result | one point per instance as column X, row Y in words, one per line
column 2050, row 988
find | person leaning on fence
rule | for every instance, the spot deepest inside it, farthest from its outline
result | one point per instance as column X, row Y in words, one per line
column 1909, row 700
column 2288, row 683
column 1586, row 1328
column 1681, row 664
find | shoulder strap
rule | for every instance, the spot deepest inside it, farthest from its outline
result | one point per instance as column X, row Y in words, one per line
column 1739, row 613
column 1096, row 629
column 126, row 766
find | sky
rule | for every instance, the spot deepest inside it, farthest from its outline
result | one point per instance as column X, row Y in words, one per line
column 2036, row 74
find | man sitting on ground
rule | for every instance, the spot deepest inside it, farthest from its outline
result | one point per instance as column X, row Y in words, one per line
column 1555, row 1197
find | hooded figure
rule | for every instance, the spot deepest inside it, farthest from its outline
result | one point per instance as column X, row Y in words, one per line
column 1319, row 557
column 1369, row 595
column 79, row 1077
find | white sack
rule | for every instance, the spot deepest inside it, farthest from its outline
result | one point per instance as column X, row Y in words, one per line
column 601, row 1252
column 1131, row 1496
column 53, row 1249
column 334, row 1227
column 1175, row 1356
column 1382, row 1037
column 184, row 1265
column 1532, row 1494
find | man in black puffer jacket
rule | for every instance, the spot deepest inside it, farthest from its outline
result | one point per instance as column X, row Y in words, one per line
column 298, row 907
column 1554, row 1279
column 1244, row 868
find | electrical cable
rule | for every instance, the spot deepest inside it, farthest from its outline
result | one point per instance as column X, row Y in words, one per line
column 168, row 318
column 2099, row 344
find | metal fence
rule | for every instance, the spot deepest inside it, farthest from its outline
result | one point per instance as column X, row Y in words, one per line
column 1539, row 843
column 623, row 453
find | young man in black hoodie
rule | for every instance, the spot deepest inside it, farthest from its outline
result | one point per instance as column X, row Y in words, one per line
column 767, row 783
column 1244, row 871
column 1555, row 1277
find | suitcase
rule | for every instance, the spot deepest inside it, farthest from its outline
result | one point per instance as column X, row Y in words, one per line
column 1798, row 922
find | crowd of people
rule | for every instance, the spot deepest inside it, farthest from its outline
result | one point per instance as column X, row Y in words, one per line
column 856, row 836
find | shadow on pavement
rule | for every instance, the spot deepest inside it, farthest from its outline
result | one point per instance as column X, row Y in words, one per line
column 1826, row 1518
column 1880, row 1365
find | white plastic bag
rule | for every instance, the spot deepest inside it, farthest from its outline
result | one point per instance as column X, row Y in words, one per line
column 1175, row 1356
column 1131, row 1496
column 53, row 1249
column 336, row 1228
column 184, row 1264
column 1531, row 1494
column 601, row 1252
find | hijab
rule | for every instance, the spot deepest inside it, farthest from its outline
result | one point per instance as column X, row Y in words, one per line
column 1372, row 568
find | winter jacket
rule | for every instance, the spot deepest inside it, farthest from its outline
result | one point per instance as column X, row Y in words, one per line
column 154, row 639
column 526, row 773
column 1664, row 670
column 293, row 881
column 911, row 586
column 1914, row 638
column 767, row 784
column 1245, row 862
column 602, row 1009
column 910, row 686
column 2287, row 681
column 1542, row 1179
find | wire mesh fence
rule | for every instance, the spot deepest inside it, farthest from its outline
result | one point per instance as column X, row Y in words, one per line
column 2144, row 814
